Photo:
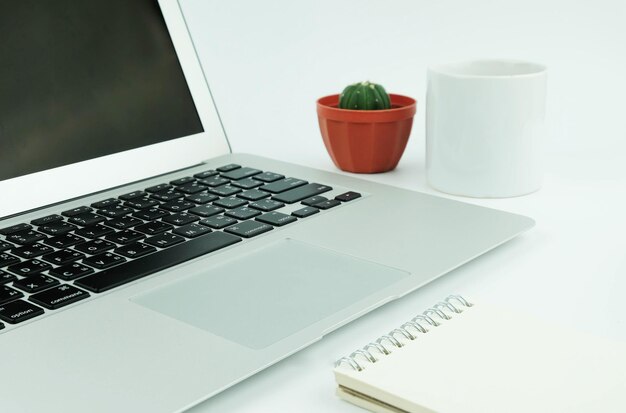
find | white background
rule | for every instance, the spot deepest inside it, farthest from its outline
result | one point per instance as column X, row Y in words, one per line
column 267, row 62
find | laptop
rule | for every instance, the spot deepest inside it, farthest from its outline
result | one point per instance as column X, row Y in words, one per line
column 145, row 267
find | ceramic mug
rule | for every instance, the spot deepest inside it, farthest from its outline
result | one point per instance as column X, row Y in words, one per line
column 485, row 123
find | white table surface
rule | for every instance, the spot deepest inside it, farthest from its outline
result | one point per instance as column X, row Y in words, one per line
column 267, row 62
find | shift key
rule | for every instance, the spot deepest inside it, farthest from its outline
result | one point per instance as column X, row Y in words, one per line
column 59, row 296
column 283, row 185
column 302, row 192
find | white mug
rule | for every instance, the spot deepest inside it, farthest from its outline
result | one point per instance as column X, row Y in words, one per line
column 485, row 123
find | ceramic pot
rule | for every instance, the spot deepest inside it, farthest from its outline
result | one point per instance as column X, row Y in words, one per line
column 366, row 141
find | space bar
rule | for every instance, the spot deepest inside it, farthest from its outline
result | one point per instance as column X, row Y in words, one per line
column 133, row 270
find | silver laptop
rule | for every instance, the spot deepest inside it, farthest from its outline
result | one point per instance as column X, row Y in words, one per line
column 145, row 267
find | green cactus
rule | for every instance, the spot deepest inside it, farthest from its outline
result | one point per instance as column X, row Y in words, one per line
column 364, row 96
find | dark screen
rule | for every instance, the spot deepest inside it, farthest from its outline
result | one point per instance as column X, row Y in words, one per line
column 81, row 79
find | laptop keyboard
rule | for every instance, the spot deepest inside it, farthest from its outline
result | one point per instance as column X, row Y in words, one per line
column 60, row 259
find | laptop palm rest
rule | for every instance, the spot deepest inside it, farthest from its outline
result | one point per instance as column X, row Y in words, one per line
column 270, row 293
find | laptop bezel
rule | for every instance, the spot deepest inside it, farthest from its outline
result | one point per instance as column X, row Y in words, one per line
column 55, row 185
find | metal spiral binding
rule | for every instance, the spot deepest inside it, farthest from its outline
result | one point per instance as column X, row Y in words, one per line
column 407, row 332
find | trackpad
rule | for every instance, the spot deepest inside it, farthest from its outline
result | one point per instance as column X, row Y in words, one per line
column 270, row 293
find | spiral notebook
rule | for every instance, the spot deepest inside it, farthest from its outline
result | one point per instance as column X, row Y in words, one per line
column 473, row 357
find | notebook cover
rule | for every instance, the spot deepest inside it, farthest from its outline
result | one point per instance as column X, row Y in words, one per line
column 487, row 359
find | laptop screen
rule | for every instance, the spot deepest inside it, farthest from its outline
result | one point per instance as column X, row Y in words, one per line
column 84, row 79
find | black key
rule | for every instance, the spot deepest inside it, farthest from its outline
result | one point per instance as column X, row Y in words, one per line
column 86, row 219
column 35, row 283
column 71, row 271
column 331, row 203
column 32, row 251
column 57, row 228
column 5, row 246
column 157, row 188
column 242, row 213
column 300, row 193
column 105, row 203
column 94, row 231
column 141, row 203
column 283, row 185
column 305, row 212
column 225, row 190
column 266, row 205
column 8, row 294
column 6, row 277
column 278, row 219
column 132, row 195
column 104, row 260
column 203, row 198
column 25, row 237
column 76, row 211
column 214, row 181
column 248, row 229
column 253, row 195
column 268, row 177
column 95, row 246
column 123, row 222
column 47, row 220
column 7, row 259
column 206, row 210
column 182, row 181
column 135, row 250
column 180, row 219
column 136, row 269
column 125, row 237
column 18, row 311
column 167, row 195
column 191, row 230
column 155, row 227
column 218, row 222
column 64, row 241
column 63, row 257
column 29, row 267
column 115, row 211
column 230, row 202
column 241, row 173
column 191, row 188
column 58, row 297
column 165, row 240
column 247, row 183
column 150, row 214
column 314, row 200
column 205, row 174
column 15, row 228
column 348, row 196
column 229, row 167
column 178, row 205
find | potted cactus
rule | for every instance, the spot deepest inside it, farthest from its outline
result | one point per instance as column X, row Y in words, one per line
column 365, row 129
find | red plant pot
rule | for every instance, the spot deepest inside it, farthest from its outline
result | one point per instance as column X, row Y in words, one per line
column 366, row 141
